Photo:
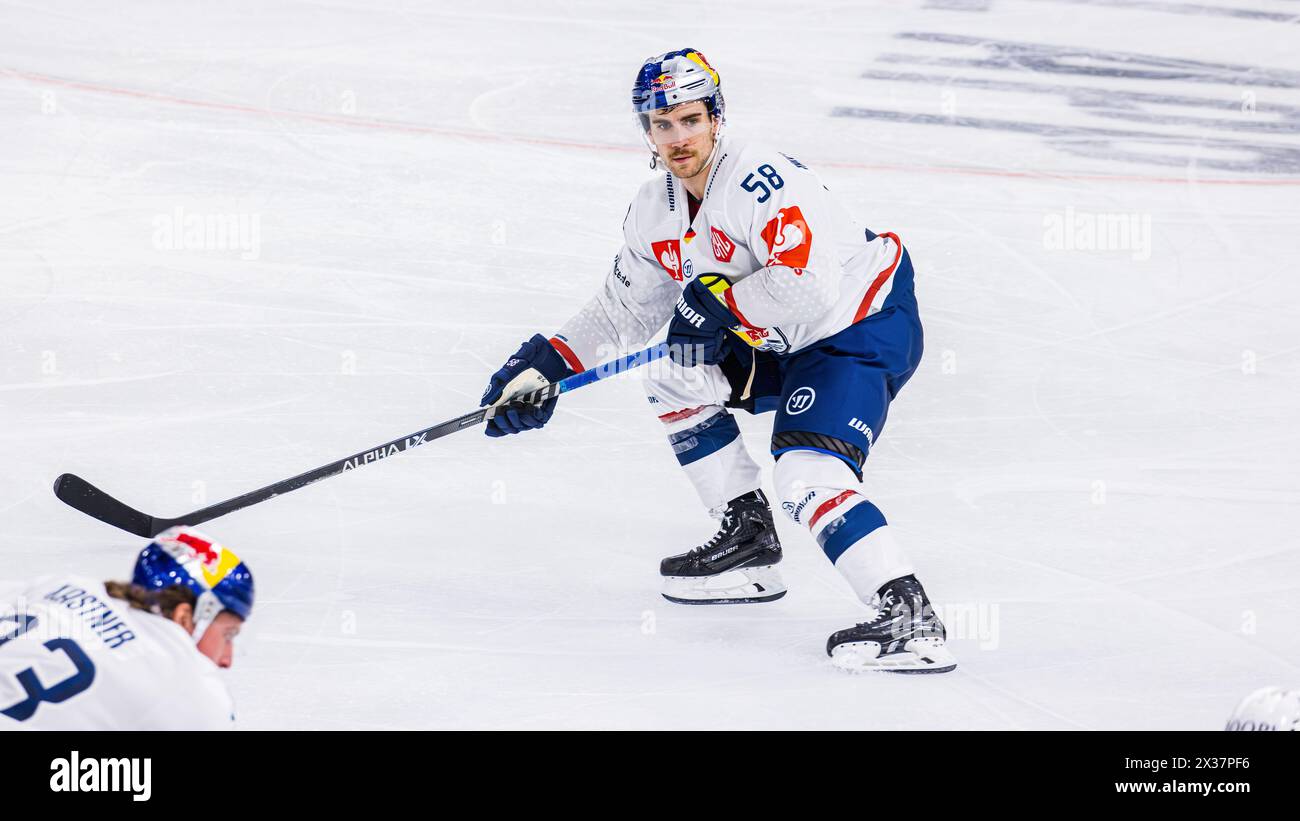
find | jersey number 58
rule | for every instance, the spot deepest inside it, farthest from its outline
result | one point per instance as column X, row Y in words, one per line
column 768, row 173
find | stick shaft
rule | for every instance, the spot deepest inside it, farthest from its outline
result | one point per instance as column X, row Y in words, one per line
column 80, row 494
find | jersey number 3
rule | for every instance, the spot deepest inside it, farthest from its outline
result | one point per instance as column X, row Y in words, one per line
column 73, row 685
column 768, row 173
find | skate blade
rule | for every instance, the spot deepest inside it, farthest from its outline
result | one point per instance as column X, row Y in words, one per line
column 744, row 585
column 925, row 655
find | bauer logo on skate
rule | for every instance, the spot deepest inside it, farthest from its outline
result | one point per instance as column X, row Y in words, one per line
column 800, row 401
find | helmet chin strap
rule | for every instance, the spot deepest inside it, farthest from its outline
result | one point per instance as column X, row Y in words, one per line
column 206, row 610
column 717, row 140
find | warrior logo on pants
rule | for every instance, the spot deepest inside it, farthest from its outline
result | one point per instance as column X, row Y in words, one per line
column 800, row 401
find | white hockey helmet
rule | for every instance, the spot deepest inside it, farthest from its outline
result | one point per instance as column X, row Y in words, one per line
column 677, row 77
column 673, row 79
column 1268, row 708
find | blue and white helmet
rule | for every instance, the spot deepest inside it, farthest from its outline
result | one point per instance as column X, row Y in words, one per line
column 1268, row 708
column 675, row 78
column 184, row 556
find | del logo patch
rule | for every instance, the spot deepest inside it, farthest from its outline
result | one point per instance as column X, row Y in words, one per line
column 669, row 254
column 788, row 238
column 723, row 247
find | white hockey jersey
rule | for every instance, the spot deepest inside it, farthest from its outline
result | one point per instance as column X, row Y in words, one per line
column 803, row 268
column 72, row 658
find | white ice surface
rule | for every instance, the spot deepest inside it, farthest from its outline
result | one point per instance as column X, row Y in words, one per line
column 1099, row 452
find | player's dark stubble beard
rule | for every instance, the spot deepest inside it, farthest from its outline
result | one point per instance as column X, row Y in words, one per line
column 701, row 164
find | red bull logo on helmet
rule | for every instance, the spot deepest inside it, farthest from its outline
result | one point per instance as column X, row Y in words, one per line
column 196, row 552
column 675, row 78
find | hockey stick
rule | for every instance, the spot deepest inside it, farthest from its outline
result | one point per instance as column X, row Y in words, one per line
column 82, row 495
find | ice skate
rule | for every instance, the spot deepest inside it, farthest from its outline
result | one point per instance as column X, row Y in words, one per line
column 905, row 636
column 736, row 566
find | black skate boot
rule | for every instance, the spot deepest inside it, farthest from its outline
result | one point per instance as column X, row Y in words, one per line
column 904, row 637
column 736, row 566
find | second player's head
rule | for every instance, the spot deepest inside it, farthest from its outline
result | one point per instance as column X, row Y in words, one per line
column 678, row 101
column 220, row 583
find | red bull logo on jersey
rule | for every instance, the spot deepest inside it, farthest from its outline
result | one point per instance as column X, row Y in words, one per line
column 788, row 238
column 764, row 339
column 723, row 247
column 669, row 254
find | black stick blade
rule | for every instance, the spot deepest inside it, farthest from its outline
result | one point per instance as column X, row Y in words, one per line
column 90, row 500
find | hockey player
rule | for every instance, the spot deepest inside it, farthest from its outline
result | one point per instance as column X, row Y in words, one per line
column 776, row 299
column 77, row 654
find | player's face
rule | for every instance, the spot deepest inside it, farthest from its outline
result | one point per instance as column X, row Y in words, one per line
column 218, row 643
column 683, row 136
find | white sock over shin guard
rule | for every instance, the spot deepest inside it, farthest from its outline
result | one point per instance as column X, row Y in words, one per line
column 817, row 490
column 708, row 446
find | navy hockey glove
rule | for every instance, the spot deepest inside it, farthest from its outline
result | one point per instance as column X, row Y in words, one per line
column 700, row 323
column 535, row 365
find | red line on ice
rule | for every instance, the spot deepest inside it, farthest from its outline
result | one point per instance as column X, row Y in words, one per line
column 412, row 128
